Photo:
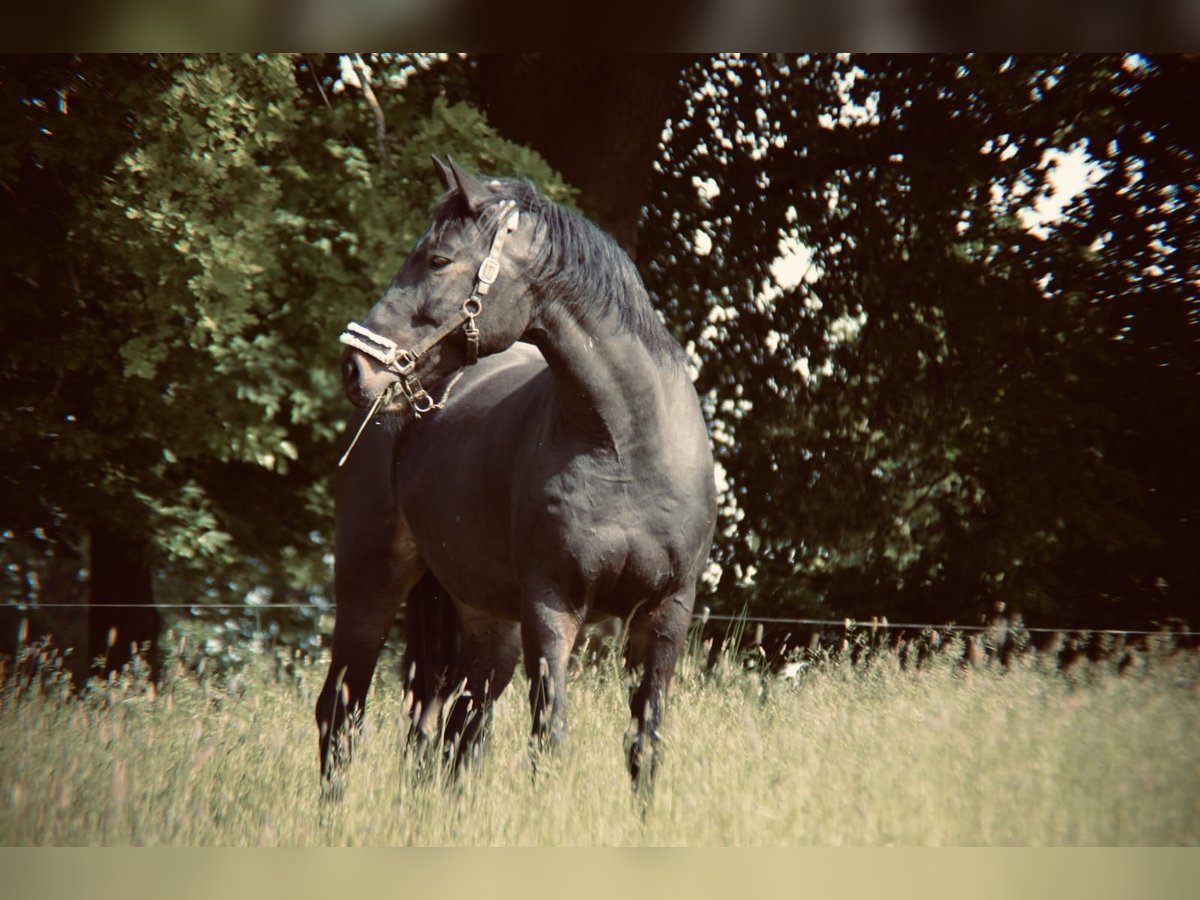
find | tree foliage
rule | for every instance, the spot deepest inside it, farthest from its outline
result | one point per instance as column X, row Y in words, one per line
column 945, row 412
column 191, row 234
column 939, row 405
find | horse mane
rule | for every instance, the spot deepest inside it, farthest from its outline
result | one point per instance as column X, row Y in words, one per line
column 578, row 264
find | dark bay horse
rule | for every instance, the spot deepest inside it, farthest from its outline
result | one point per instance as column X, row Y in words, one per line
column 554, row 481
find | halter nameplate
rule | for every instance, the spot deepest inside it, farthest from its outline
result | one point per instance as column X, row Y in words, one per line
column 488, row 270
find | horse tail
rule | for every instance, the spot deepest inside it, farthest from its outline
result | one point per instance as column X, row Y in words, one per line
column 432, row 639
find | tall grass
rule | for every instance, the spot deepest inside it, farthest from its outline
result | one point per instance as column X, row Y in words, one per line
column 844, row 756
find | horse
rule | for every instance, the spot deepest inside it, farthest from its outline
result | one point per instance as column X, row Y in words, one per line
column 530, row 456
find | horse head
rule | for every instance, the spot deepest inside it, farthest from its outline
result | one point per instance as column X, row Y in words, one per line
column 463, row 292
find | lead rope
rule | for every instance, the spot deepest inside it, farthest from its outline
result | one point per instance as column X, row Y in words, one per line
column 379, row 400
column 404, row 362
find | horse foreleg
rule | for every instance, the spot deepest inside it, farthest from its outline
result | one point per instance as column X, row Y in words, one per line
column 657, row 634
column 548, row 632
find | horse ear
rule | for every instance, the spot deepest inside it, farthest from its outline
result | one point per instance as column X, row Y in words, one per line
column 444, row 175
column 473, row 190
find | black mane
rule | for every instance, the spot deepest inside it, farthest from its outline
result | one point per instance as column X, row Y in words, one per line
column 578, row 264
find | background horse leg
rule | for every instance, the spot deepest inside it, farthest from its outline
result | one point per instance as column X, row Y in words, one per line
column 367, row 604
column 432, row 639
column 656, row 635
column 548, row 632
column 490, row 648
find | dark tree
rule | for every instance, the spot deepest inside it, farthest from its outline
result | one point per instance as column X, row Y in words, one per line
column 597, row 119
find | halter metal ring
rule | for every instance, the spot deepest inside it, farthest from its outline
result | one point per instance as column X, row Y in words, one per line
column 421, row 401
column 472, row 306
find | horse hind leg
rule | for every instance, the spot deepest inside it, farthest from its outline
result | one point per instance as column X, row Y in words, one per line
column 368, row 600
column 487, row 658
column 432, row 647
column 656, row 636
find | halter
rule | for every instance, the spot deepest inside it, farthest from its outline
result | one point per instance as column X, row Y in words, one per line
column 403, row 362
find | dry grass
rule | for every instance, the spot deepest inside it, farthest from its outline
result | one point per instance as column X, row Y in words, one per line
column 844, row 757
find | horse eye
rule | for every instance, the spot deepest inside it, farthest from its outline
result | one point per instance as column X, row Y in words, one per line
column 438, row 262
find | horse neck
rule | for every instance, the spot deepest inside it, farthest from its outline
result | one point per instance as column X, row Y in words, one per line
column 609, row 381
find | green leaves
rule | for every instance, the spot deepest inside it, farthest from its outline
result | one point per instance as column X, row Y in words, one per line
column 947, row 411
column 188, row 525
column 198, row 263
column 142, row 357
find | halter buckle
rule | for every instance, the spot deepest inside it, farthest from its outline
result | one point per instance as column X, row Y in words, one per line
column 404, row 362
column 471, row 331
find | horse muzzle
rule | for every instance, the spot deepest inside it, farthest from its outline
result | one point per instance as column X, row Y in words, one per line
column 362, row 379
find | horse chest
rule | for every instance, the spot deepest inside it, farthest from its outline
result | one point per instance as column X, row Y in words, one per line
column 497, row 510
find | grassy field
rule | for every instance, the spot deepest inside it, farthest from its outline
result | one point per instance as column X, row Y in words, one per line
column 840, row 757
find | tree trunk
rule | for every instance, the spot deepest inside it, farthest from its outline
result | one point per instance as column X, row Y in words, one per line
column 121, row 595
column 597, row 119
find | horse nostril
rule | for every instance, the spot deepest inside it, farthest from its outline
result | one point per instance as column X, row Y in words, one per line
column 349, row 370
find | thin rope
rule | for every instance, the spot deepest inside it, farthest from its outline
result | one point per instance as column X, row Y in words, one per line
column 859, row 624
column 262, row 606
column 855, row 624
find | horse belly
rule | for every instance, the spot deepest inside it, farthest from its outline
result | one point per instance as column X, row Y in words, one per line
column 596, row 552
